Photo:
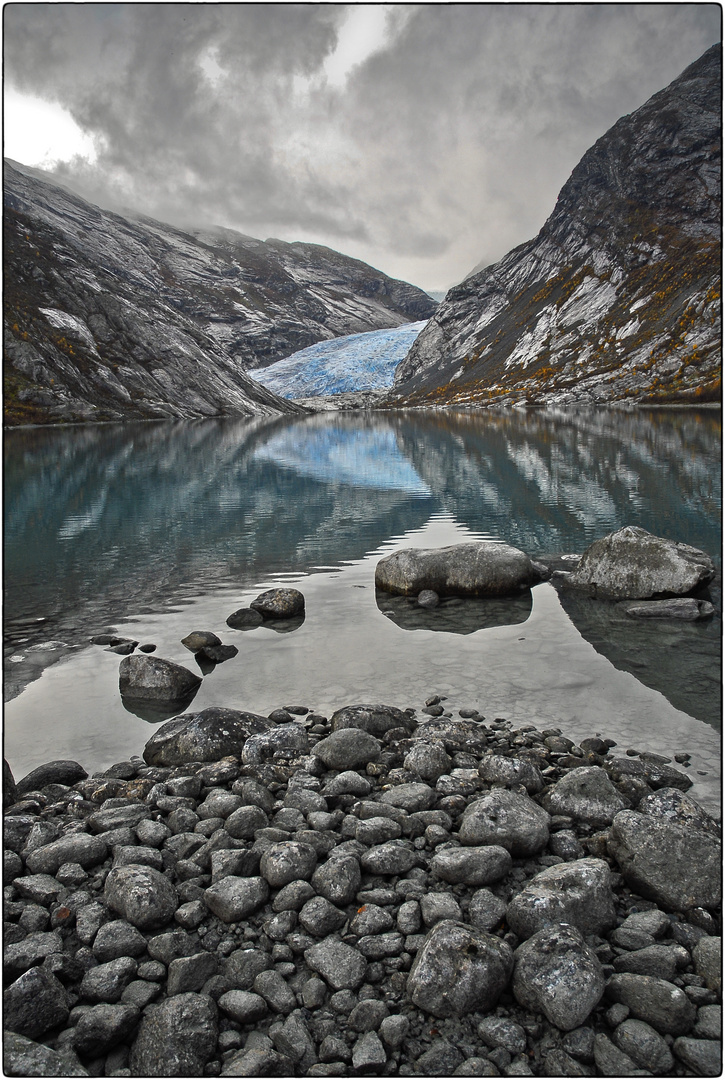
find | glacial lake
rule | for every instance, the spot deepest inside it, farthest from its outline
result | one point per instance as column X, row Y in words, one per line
column 152, row 530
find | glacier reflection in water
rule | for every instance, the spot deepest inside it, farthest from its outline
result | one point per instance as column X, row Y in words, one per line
column 158, row 529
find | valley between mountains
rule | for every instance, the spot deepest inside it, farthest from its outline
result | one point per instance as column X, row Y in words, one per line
column 616, row 301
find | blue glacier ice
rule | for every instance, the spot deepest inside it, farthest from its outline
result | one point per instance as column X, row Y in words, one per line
column 356, row 362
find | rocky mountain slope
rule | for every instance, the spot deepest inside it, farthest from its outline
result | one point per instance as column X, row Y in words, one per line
column 618, row 297
column 109, row 317
column 358, row 362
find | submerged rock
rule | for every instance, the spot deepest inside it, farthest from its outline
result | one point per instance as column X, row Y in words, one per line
column 478, row 569
column 685, row 608
column 633, row 564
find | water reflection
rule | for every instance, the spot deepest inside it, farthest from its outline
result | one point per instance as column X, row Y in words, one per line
column 454, row 615
column 108, row 522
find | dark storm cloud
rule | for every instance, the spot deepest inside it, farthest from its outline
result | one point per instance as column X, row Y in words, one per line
column 445, row 148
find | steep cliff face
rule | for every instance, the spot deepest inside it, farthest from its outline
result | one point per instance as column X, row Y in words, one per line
column 618, row 297
column 108, row 317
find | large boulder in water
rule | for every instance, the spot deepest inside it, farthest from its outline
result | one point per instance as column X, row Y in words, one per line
column 149, row 678
column 632, row 564
column 209, row 735
column 279, row 603
column 478, row 569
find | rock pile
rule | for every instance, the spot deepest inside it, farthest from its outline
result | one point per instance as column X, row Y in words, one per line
column 377, row 893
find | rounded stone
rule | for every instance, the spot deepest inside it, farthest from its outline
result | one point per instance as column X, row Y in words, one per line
column 234, row 898
column 176, row 1038
column 347, row 748
column 558, row 974
column 459, row 970
column 471, row 865
column 150, row 678
column 199, row 639
column 141, row 895
column 579, row 893
column 394, row 857
column 288, row 861
column 508, row 819
column 279, row 603
column 644, row 1045
column 586, row 794
column 341, row 966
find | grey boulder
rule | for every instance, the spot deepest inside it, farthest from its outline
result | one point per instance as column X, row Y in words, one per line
column 678, row 867
column 35, row 1003
column 506, row 818
column 558, row 974
column 633, row 564
column 176, row 1038
column 52, row 772
column 233, row 898
column 656, row 1001
column 205, row 736
column 578, row 893
column 279, row 603
column 141, row 895
column 471, row 865
column 24, row 1057
column 200, row 639
column 459, row 970
column 150, row 678
column 497, row 769
column 375, row 719
column 78, row 848
column 477, row 569
column 347, row 748
column 339, row 964
column 586, row 794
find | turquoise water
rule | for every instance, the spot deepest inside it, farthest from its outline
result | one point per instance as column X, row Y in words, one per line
column 157, row 529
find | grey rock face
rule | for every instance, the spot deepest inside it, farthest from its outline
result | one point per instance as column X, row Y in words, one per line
column 234, row 898
column 633, row 564
column 582, row 314
column 656, row 1001
column 558, row 974
column 479, row 569
column 578, row 893
column 586, row 794
column 141, row 895
column 347, row 748
column 177, row 1038
column 459, row 970
column 35, row 1003
column 279, row 603
column 675, row 866
column 150, row 678
column 472, row 865
column 672, row 805
column 208, row 735
column 375, row 719
column 508, row 819
column 341, row 966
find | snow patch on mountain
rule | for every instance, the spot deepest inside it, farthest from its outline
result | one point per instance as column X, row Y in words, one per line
column 355, row 362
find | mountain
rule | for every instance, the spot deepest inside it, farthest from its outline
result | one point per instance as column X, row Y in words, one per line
column 618, row 297
column 359, row 362
column 110, row 317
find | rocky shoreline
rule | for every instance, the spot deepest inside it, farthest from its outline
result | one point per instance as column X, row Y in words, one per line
column 383, row 892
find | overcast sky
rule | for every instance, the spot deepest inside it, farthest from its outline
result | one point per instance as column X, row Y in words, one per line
column 422, row 138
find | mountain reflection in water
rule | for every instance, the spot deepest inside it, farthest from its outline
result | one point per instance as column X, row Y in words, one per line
column 115, row 522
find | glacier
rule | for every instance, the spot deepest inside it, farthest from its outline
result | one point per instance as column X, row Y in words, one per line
column 341, row 365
